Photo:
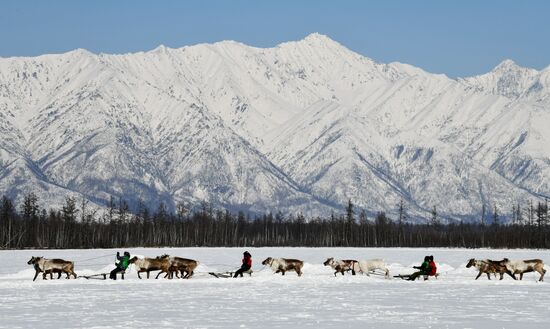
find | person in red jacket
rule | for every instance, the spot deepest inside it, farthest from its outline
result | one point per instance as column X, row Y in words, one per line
column 433, row 267
column 247, row 264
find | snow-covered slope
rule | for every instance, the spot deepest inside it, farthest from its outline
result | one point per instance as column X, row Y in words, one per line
column 301, row 127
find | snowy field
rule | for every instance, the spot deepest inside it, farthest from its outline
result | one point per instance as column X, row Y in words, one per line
column 315, row 300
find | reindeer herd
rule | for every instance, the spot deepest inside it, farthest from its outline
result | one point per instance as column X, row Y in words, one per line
column 507, row 266
column 184, row 268
column 165, row 264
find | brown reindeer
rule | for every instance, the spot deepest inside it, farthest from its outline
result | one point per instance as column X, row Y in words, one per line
column 159, row 263
column 489, row 267
column 50, row 272
column 341, row 266
column 282, row 265
column 185, row 266
column 49, row 266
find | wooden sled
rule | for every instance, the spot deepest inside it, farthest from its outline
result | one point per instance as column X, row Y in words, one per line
column 407, row 276
column 227, row 274
column 100, row 276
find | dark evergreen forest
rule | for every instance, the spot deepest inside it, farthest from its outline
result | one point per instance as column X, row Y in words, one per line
column 77, row 225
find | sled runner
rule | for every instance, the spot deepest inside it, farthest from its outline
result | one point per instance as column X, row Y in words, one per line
column 100, row 276
column 402, row 276
column 407, row 276
column 227, row 274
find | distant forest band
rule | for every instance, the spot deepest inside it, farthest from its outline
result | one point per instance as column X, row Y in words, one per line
column 77, row 226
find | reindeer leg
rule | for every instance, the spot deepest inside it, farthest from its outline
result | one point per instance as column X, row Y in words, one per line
column 35, row 275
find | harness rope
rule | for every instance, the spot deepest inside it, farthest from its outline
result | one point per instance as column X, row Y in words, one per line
column 93, row 258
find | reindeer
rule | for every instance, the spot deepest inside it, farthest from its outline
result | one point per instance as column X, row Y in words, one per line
column 488, row 266
column 183, row 265
column 49, row 266
column 159, row 263
column 341, row 266
column 366, row 266
column 50, row 272
column 283, row 265
column 517, row 266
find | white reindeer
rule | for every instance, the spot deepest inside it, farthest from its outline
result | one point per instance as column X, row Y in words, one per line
column 366, row 266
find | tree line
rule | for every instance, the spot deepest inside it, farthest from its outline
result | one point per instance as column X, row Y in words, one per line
column 78, row 225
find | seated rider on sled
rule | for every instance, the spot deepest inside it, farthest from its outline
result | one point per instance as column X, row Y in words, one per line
column 247, row 264
column 122, row 264
column 427, row 268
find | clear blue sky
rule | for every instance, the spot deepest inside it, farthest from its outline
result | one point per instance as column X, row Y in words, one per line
column 458, row 38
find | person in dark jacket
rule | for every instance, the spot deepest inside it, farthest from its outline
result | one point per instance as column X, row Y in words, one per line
column 246, row 265
column 122, row 265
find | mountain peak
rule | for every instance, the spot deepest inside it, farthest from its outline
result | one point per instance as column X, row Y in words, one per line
column 319, row 39
column 316, row 37
column 313, row 40
column 507, row 65
column 80, row 52
column 160, row 49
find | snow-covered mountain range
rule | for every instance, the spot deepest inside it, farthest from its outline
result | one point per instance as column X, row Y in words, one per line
column 301, row 127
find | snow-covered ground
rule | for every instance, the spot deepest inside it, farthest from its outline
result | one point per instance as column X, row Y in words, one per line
column 315, row 300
